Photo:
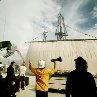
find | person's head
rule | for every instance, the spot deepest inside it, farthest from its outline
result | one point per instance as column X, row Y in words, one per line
column 13, row 64
column 23, row 64
column 0, row 62
column 81, row 64
column 41, row 64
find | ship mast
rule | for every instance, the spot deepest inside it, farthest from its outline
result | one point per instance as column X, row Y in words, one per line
column 61, row 32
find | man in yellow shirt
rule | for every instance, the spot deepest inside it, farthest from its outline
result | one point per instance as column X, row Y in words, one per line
column 42, row 77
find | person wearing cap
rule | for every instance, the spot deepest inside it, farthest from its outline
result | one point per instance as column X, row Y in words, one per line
column 80, row 83
column 42, row 77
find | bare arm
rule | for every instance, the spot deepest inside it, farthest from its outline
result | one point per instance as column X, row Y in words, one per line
column 31, row 67
column 53, row 69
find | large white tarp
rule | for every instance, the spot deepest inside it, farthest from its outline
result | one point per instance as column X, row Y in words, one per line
column 68, row 50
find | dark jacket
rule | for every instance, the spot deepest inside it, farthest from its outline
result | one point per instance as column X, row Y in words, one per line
column 80, row 84
column 10, row 74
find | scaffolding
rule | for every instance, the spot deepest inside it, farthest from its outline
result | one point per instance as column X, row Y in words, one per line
column 61, row 31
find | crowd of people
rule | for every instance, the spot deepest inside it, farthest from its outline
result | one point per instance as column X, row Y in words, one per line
column 11, row 83
column 79, row 83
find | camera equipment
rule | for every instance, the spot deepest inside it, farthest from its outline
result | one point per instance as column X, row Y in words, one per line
column 58, row 59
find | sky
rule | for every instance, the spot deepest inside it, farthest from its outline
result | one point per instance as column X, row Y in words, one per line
column 23, row 21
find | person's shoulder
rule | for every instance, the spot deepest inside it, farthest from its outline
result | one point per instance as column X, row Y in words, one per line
column 25, row 67
column 35, row 68
column 9, row 67
column 71, row 72
column 22, row 66
column 89, row 74
column 48, row 69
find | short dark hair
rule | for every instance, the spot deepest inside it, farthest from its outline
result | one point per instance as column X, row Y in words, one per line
column 12, row 62
column 81, row 63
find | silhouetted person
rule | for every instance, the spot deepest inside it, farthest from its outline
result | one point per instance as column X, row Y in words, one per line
column 10, row 79
column 80, row 83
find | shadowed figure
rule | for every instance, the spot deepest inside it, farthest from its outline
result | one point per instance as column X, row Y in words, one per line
column 10, row 80
column 80, row 83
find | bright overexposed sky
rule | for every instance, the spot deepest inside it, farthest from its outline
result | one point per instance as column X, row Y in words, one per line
column 23, row 20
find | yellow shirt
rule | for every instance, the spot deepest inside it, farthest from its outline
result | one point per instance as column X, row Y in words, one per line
column 42, row 78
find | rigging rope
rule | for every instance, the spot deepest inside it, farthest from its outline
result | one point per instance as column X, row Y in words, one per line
column 81, row 32
column 46, row 26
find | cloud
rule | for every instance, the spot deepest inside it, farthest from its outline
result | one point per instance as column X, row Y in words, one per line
column 94, row 12
column 24, row 20
column 77, row 20
column 73, row 17
column 31, row 17
column 93, row 30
